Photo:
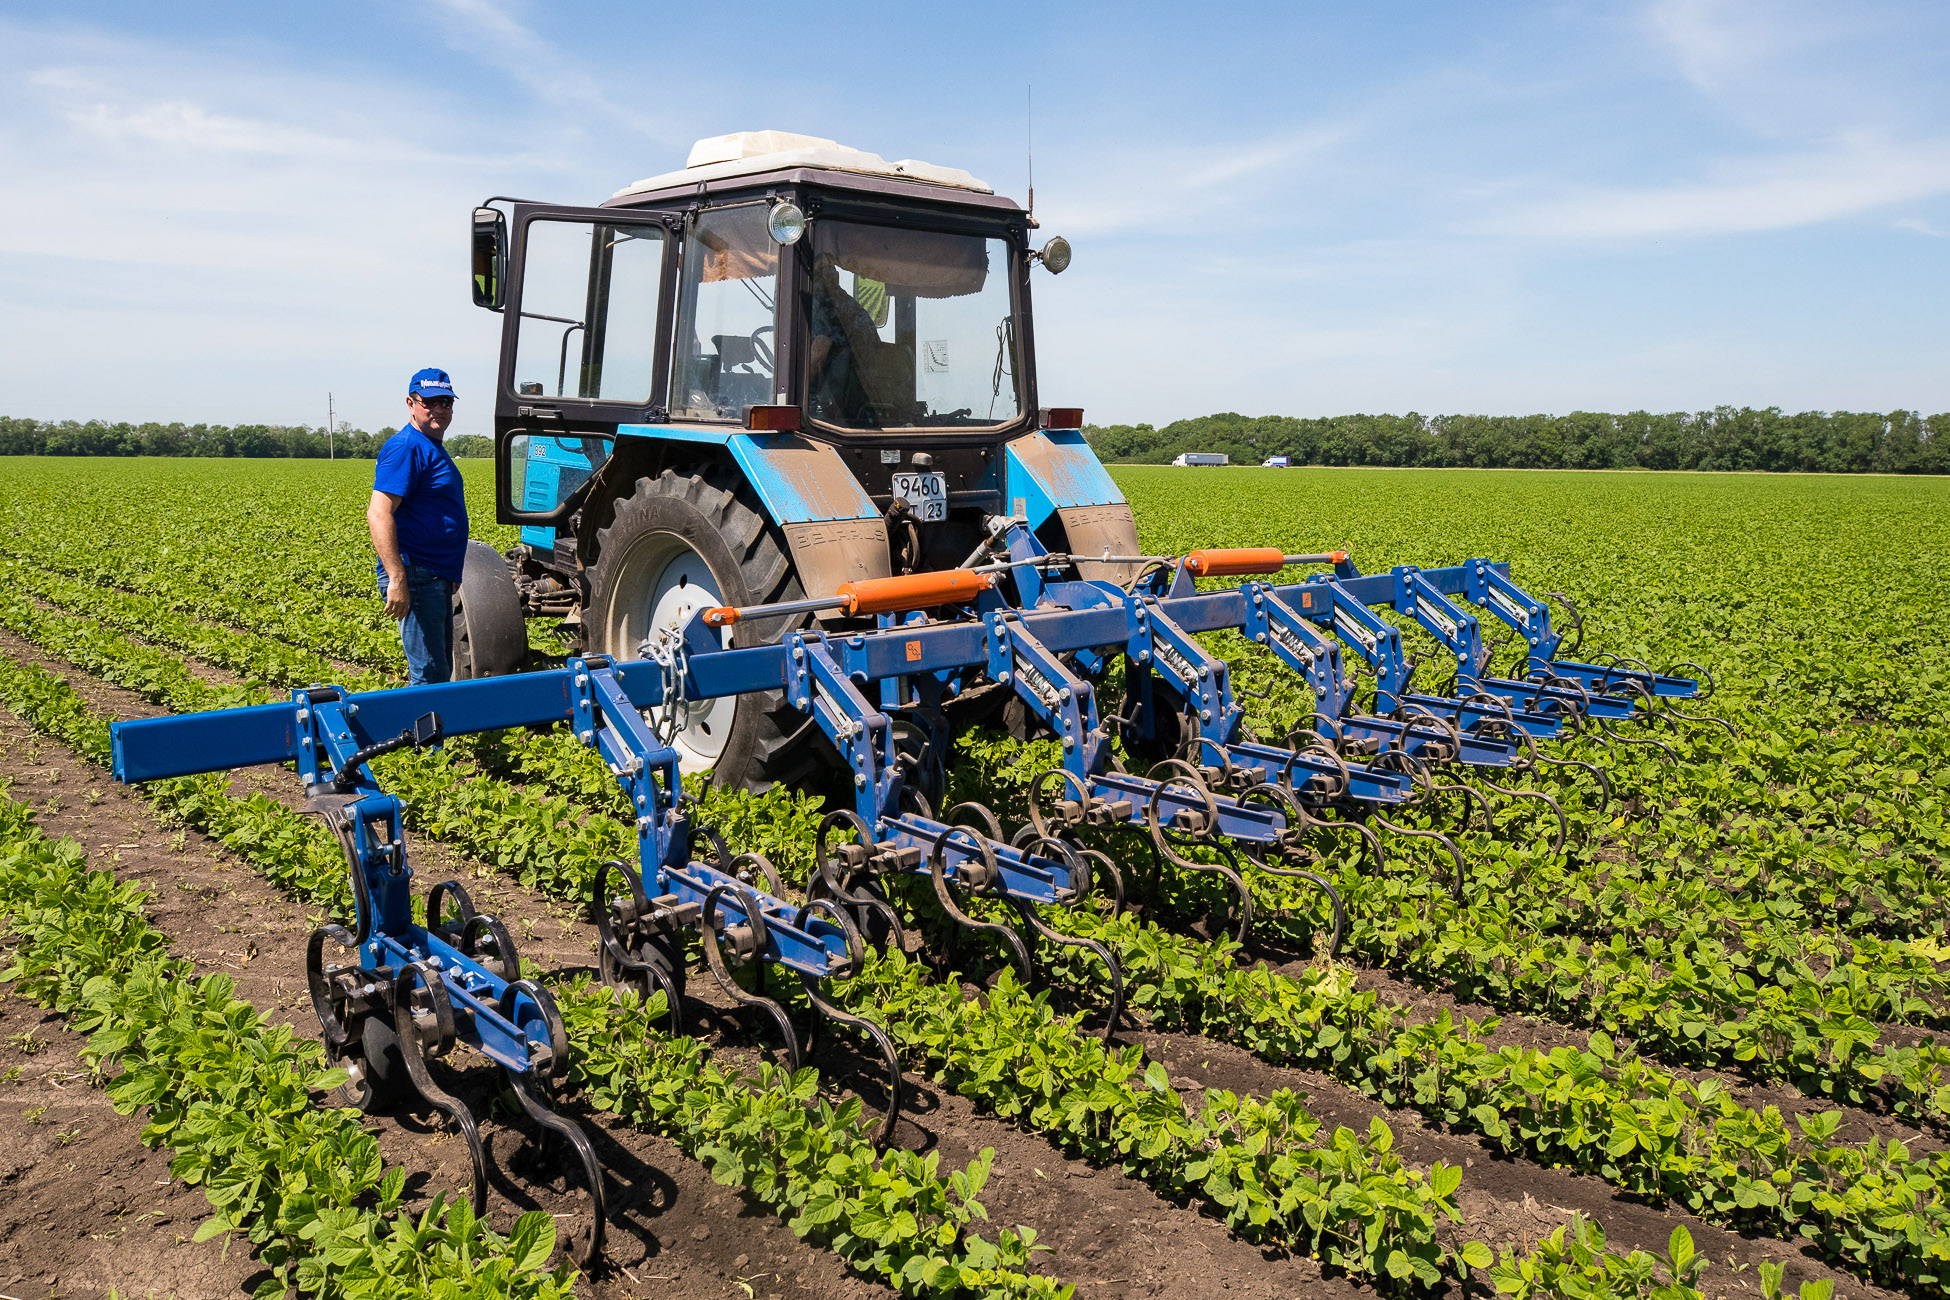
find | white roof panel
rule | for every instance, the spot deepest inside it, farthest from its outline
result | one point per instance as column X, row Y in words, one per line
column 745, row 153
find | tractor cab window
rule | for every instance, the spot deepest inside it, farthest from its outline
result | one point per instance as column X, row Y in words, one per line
column 910, row 329
column 589, row 300
column 722, row 353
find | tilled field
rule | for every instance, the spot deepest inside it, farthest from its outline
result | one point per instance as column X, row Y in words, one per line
column 1715, row 1011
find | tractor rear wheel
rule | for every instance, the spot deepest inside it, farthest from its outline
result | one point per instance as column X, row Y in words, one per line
column 686, row 540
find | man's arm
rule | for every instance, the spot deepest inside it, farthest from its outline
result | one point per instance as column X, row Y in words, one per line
column 385, row 540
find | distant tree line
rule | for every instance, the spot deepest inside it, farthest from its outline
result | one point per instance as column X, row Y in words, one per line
column 21, row 437
column 1725, row 438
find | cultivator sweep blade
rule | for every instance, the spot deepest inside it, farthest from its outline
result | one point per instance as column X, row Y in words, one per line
column 1211, row 799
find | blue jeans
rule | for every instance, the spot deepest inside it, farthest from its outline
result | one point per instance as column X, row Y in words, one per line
column 427, row 631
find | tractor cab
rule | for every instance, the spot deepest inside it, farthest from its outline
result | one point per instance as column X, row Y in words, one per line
column 826, row 358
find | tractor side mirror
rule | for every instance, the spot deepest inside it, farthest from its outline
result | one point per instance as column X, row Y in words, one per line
column 490, row 258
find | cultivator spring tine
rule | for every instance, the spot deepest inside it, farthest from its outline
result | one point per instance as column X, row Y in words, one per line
column 531, row 1087
column 1371, row 848
column 1198, row 831
column 826, row 1007
column 437, row 922
column 485, row 940
column 1699, row 672
column 748, row 938
column 1337, row 908
column 525, row 1086
column 1101, row 862
column 975, row 879
column 991, row 824
column 1164, row 845
column 1586, row 729
column 1299, row 824
column 838, row 869
column 1080, row 870
column 1115, row 1010
column 1672, row 758
column 757, row 869
column 1448, row 846
column 618, row 963
column 1064, row 814
column 1472, row 800
column 1705, row 718
column 1563, row 822
column 420, row 1004
column 1604, row 782
column 324, row 984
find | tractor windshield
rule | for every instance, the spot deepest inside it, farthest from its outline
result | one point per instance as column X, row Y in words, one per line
column 910, row 329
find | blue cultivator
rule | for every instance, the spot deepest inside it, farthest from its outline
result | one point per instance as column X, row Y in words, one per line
column 392, row 994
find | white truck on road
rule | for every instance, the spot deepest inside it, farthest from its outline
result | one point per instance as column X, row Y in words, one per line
column 1201, row 458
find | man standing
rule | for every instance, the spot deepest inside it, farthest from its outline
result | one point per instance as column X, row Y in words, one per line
column 418, row 517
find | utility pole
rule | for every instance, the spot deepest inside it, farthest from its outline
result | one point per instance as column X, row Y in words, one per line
column 331, row 431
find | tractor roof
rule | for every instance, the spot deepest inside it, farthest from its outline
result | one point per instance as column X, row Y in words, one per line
column 750, row 153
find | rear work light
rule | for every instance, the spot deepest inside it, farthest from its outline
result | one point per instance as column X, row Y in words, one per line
column 1062, row 417
column 773, row 419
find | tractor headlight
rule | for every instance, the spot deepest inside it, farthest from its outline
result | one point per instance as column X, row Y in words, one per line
column 1055, row 255
column 786, row 224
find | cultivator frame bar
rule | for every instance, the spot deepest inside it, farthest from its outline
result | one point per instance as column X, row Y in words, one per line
column 413, row 990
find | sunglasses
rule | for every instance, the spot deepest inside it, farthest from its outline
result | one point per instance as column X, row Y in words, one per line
column 434, row 403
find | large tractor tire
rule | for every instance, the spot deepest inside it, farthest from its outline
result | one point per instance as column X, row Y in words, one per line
column 684, row 541
column 490, row 637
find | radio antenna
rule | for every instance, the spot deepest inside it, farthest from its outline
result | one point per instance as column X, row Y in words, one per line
column 1029, row 137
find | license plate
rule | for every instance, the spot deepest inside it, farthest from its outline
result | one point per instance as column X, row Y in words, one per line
column 925, row 494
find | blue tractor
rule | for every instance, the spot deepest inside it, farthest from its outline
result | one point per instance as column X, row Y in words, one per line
column 789, row 366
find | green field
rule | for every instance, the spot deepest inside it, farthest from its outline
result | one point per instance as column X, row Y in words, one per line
column 1749, row 943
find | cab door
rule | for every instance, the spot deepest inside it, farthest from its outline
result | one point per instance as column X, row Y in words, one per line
column 585, row 347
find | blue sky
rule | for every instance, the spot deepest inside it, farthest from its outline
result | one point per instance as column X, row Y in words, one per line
column 223, row 211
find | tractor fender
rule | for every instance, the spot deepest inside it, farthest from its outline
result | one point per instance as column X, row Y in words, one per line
column 1054, row 472
column 832, row 530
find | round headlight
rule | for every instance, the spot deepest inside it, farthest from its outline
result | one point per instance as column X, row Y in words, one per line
column 786, row 224
column 1056, row 255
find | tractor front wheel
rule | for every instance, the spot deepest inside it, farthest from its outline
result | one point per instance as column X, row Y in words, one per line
column 490, row 636
column 683, row 541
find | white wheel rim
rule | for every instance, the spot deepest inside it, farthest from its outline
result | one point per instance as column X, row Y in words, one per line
column 663, row 584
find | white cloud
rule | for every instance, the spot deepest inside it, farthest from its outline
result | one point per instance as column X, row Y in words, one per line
column 1720, row 43
column 1126, row 190
column 493, row 35
column 1846, row 179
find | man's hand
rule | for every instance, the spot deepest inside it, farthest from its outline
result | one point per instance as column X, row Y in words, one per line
column 398, row 600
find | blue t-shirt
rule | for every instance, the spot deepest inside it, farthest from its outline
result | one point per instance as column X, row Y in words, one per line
column 432, row 513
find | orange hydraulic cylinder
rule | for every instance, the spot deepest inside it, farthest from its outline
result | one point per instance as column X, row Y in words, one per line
column 912, row 591
column 1235, row 560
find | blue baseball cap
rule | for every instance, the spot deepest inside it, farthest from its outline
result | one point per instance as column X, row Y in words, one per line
column 430, row 383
